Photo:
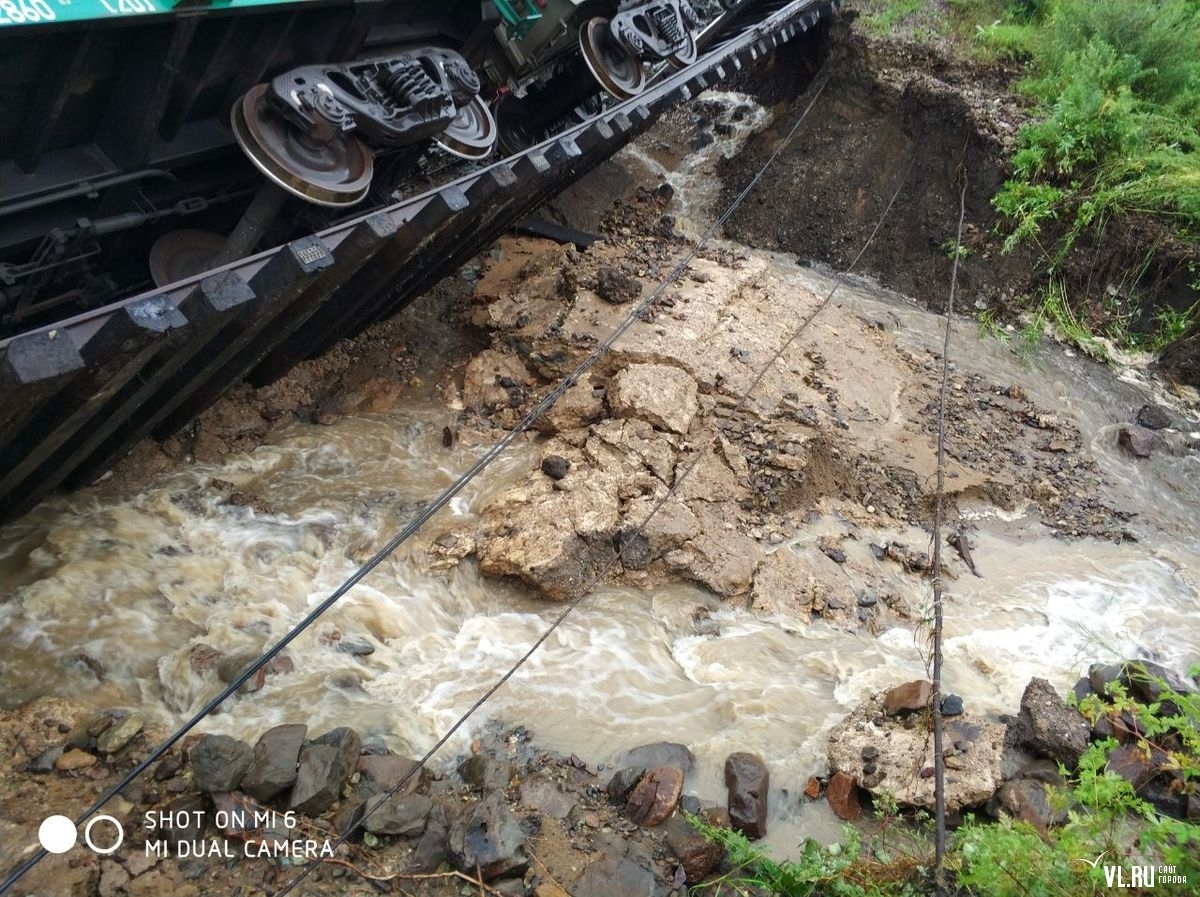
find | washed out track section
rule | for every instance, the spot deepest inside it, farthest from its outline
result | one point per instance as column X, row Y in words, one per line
column 77, row 395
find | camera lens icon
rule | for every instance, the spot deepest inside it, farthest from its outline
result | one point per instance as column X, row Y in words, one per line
column 58, row 834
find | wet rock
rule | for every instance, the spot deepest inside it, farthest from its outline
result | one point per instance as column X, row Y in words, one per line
column 614, row 875
column 623, row 781
column 908, row 698
column 325, row 763
column 555, row 466
column 1029, row 800
column 1138, row 441
column 355, row 646
column 485, row 379
column 868, row 599
column 1046, row 726
column 433, row 849
column 812, row 788
column 660, row 753
column 387, row 770
column 219, row 762
column 1143, row 677
column 1154, row 417
column 486, row 773
column 44, row 762
column 615, row 286
column 119, row 734
column 905, row 748
column 489, row 837
column 1102, row 675
column 635, row 550
column 397, row 814
column 696, row 854
column 655, row 796
column 540, row 793
column 74, row 759
column 276, row 754
column 231, row 666
column 842, row 796
column 660, row 394
column 834, row 554
column 747, row 781
column 952, row 705
column 1132, row 763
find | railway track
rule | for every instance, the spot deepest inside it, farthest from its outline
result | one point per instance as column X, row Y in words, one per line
column 79, row 393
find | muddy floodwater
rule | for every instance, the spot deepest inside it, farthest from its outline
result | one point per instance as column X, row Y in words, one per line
column 114, row 598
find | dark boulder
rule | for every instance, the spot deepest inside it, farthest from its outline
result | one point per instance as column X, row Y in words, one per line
column 488, row 837
column 325, row 764
column 1046, row 726
column 747, row 781
column 696, row 854
column 615, row 286
column 397, row 814
column 275, row 757
column 660, row 753
column 219, row 762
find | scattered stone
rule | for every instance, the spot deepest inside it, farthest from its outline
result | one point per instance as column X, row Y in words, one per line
column 119, row 734
column 842, row 795
column 655, row 796
column 615, row 286
column 868, row 599
column 540, row 793
column 1154, row 417
column 1047, row 727
column 555, row 466
column 952, row 705
column 276, row 755
column 44, row 762
column 219, row 762
column 835, row 554
column 870, row 752
column 660, row 394
column 747, row 781
column 486, row 773
column 325, row 764
column 489, row 837
column 433, row 848
column 908, row 698
column 1138, row 441
column 74, row 759
column 397, row 814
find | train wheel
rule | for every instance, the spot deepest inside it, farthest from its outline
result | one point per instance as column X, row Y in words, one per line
column 473, row 134
column 334, row 173
column 615, row 66
column 686, row 56
column 180, row 254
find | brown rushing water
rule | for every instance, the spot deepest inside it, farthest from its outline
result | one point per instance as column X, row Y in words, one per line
column 136, row 581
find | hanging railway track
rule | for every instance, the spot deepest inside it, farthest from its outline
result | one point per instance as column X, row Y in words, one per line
column 78, row 393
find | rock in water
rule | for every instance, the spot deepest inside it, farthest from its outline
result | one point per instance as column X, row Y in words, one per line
column 842, row 795
column 275, row 757
column 1048, row 727
column 219, row 762
column 747, row 780
column 1138, row 441
column 489, row 837
column 660, row 753
column 655, row 796
column 1154, row 417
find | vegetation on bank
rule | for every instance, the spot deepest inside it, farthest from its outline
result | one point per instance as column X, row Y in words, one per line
column 1114, row 128
column 1108, row 826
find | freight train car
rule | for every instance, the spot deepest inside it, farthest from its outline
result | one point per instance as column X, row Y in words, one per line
column 143, row 141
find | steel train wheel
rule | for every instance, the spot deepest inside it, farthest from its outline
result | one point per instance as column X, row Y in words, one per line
column 686, row 56
column 617, row 68
column 473, row 134
column 336, row 174
column 180, row 254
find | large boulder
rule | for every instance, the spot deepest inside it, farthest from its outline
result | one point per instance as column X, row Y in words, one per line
column 1047, row 727
column 488, row 837
column 747, row 781
column 891, row 754
column 219, row 762
column 660, row 394
column 325, row 764
column 276, row 755
column 655, row 796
